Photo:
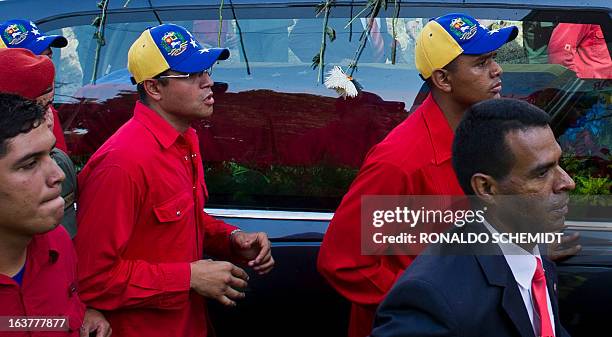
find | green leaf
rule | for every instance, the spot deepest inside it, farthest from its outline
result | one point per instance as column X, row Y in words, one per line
column 100, row 4
column 315, row 61
column 96, row 21
column 593, row 185
column 331, row 33
column 320, row 8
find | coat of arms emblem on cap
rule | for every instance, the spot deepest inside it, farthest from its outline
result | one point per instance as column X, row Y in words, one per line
column 463, row 28
column 15, row 34
column 174, row 43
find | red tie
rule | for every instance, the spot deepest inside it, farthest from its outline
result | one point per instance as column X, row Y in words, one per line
column 377, row 41
column 538, row 292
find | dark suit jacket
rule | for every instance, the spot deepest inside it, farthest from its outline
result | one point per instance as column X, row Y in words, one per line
column 460, row 295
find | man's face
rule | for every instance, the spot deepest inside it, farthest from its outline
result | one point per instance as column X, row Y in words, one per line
column 30, row 184
column 188, row 98
column 46, row 101
column 47, row 52
column 475, row 78
column 535, row 192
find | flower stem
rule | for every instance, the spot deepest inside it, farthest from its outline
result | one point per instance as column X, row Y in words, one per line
column 323, row 43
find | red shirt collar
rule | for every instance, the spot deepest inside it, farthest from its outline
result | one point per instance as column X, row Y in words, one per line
column 165, row 133
column 41, row 251
column 440, row 133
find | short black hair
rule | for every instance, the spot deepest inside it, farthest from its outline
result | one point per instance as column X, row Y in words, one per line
column 17, row 115
column 142, row 94
column 480, row 139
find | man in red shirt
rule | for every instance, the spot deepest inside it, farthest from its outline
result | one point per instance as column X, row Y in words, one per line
column 581, row 48
column 36, row 82
column 143, row 230
column 19, row 33
column 37, row 259
column 455, row 55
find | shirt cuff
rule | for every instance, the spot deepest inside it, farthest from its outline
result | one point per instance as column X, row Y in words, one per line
column 177, row 276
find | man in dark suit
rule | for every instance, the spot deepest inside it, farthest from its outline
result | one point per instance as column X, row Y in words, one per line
column 505, row 156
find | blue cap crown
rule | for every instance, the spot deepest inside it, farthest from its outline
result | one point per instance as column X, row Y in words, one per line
column 473, row 37
column 169, row 46
column 19, row 33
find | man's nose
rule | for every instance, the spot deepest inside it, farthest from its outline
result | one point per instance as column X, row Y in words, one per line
column 497, row 69
column 55, row 175
column 564, row 182
column 206, row 80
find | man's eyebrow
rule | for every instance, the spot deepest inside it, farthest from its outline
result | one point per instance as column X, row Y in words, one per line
column 29, row 156
column 485, row 56
column 542, row 167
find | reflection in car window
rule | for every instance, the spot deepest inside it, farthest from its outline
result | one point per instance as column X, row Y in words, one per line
column 280, row 140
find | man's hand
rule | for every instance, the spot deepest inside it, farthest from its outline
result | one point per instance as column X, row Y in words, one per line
column 95, row 321
column 254, row 249
column 218, row 280
column 567, row 248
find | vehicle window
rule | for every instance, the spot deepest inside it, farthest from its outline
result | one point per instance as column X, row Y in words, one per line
column 280, row 140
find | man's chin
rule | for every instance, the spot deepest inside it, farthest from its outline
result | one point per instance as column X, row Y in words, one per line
column 55, row 219
column 46, row 227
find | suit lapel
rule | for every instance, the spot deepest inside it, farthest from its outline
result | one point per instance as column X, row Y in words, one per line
column 498, row 273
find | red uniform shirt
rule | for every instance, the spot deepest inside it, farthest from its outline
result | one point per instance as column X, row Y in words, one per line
column 49, row 285
column 141, row 222
column 581, row 48
column 414, row 159
column 58, row 132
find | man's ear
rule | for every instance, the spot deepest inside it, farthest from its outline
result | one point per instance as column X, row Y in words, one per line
column 440, row 78
column 485, row 187
column 152, row 89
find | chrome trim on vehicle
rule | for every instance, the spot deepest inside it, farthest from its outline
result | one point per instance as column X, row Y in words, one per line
column 327, row 216
column 263, row 214
column 589, row 225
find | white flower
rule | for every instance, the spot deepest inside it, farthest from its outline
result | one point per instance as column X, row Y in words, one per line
column 341, row 82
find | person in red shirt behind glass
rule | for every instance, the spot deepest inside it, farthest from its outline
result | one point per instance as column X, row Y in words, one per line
column 37, row 260
column 143, row 231
column 19, row 33
column 581, row 48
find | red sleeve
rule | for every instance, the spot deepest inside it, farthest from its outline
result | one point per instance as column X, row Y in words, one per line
column 564, row 41
column 363, row 279
column 58, row 132
column 217, row 237
column 106, row 219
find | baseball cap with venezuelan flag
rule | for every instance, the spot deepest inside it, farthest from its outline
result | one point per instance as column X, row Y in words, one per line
column 19, row 33
column 446, row 37
column 169, row 47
